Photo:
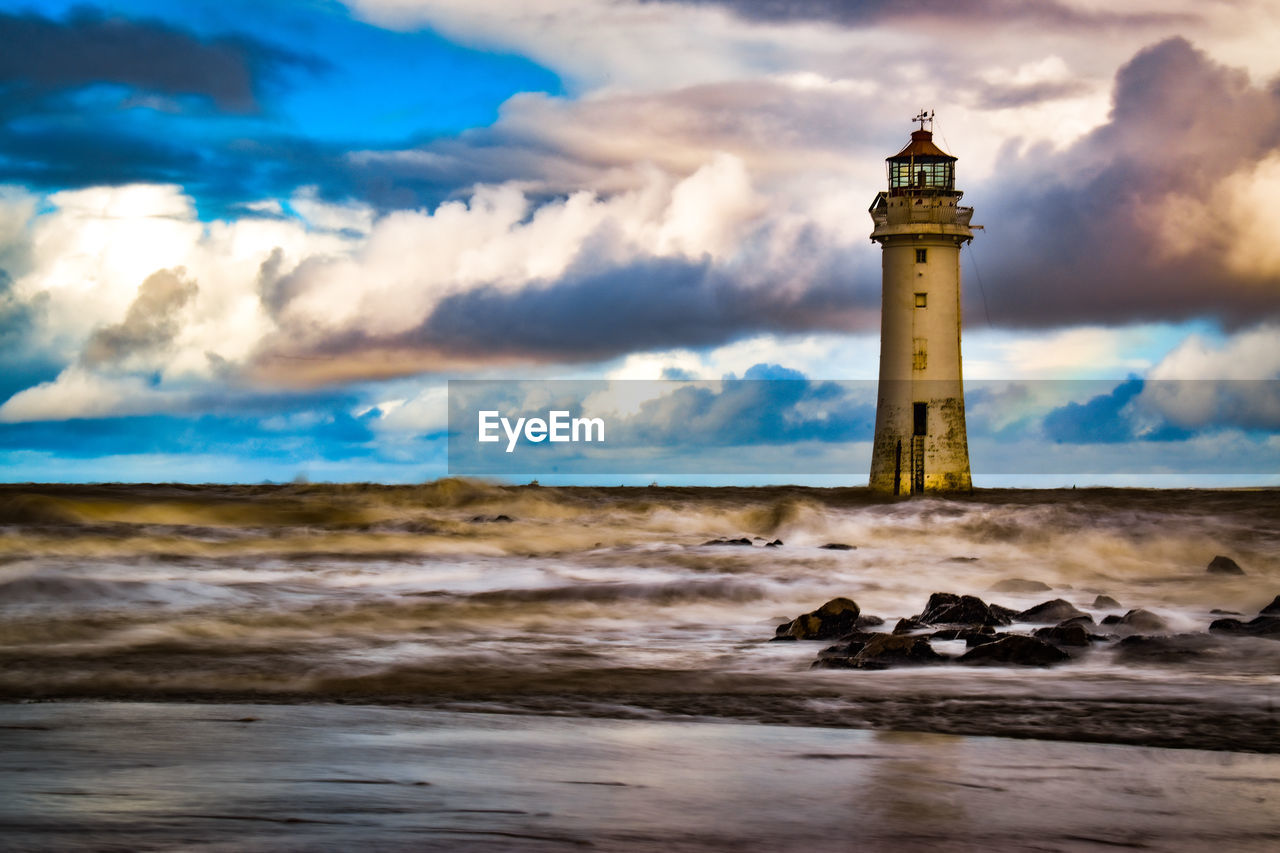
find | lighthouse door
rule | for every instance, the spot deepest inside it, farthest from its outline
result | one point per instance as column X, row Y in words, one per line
column 921, row 421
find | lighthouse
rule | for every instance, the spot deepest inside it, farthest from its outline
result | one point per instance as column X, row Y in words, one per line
column 920, row 442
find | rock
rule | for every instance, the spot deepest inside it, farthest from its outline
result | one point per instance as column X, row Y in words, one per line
column 848, row 646
column 1050, row 611
column 986, row 633
column 1271, row 609
column 838, row 546
column 1216, row 612
column 939, row 599
column 1221, row 565
column 777, row 543
column 1015, row 649
column 1105, row 601
column 1143, row 620
column 1005, row 614
column 977, row 638
column 962, row 559
column 866, row 620
column 836, row 618
column 907, row 625
column 1111, row 619
column 740, row 541
column 490, row 519
column 885, row 650
column 1083, row 621
column 1260, row 626
column 968, row 610
column 1177, row 648
column 1067, row 634
column 1020, row 585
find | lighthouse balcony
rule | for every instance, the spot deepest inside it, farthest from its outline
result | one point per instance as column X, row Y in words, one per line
column 889, row 210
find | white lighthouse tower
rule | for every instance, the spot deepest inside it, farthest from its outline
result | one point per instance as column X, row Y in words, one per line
column 920, row 444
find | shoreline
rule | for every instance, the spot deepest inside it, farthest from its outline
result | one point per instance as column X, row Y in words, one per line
column 1160, row 717
column 160, row 776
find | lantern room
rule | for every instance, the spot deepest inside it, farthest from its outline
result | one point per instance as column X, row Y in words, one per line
column 922, row 168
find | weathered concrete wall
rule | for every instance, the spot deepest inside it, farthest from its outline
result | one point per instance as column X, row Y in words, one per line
column 920, row 347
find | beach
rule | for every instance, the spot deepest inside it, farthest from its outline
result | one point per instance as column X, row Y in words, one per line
column 462, row 665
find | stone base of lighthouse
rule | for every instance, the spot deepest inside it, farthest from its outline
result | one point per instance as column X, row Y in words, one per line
column 920, row 441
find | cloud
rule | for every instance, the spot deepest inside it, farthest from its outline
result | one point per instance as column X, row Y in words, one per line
column 78, row 393
column 971, row 13
column 693, row 262
column 1101, row 231
column 151, row 321
column 43, row 57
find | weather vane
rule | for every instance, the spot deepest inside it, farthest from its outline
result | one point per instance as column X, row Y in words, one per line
column 925, row 115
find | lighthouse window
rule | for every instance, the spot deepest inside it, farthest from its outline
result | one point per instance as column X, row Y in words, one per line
column 922, row 299
column 920, row 418
column 919, row 354
column 922, row 256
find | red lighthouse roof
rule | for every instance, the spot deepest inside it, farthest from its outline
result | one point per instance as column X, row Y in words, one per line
column 921, row 148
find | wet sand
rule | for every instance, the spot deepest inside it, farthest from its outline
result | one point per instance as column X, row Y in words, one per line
column 144, row 776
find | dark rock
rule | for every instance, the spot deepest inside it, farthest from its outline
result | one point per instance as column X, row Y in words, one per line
column 1006, row 615
column 833, row 663
column 962, row 559
column 1050, row 611
column 977, row 638
column 1105, row 601
column 1015, row 649
column 838, row 546
column 1111, row 619
column 777, row 543
column 1067, row 634
column 1261, row 626
column 986, row 632
column 866, row 620
column 740, row 541
column 1272, row 608
column 1216, row 612
column 885, row 650
column 490, row 519
column 836, row 618
column 1143, row 620
column 848, row 646
column 1173, row 649
column 907, row 625
column 1020, row 585
column 1221, row 565
column 968, row 610
column 1082, row 621
column 940, row 599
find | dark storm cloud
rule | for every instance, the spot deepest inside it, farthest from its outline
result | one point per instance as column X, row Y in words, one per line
column 66, row 89
column 976, row 12
column 150, row 323
column 592, row 312
column 42, row 57
column 1083, row 235
column 58, row 157
column 993, row 96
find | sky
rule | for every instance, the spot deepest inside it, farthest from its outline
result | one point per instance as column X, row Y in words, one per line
column 254, row 241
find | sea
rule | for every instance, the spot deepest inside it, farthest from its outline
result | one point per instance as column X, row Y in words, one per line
column 467, row 665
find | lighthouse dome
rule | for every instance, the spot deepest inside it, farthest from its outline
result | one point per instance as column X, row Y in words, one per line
column 921, row 166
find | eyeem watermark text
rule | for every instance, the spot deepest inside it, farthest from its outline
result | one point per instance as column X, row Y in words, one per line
column 557, row 426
